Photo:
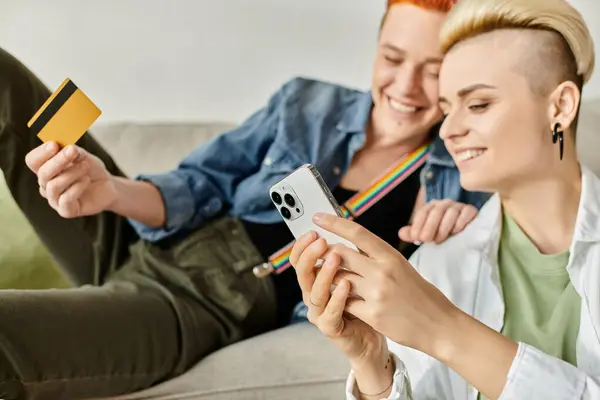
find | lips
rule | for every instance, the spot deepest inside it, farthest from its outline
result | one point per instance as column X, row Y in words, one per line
column 469, row 154
column 397, row 106
column 402, row 107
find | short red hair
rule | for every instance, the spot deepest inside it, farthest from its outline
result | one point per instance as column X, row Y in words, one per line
column 438, row 5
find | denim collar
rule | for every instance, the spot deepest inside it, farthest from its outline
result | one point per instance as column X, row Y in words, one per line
column 356, row 117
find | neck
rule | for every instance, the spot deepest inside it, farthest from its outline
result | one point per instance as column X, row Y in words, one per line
column 377, row 140
column 546, row 207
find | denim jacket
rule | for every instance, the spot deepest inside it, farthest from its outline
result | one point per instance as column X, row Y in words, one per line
column 305, row 121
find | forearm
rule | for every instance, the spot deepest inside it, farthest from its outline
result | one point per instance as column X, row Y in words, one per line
column 374, row 379
column 479, row 354
column 140, row 201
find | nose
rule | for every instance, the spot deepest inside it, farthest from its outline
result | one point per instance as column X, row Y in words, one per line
column 408, row 80
column 453, row 127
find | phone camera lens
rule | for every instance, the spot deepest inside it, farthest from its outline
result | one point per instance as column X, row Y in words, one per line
column 276, row 197
column 286, row 213
column 289, row 200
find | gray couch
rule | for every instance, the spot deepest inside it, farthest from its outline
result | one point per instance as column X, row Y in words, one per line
column 292, row 363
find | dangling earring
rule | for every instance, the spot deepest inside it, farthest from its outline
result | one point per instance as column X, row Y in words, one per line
column 560, row 137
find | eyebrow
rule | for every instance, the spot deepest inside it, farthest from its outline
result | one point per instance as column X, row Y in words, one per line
column 428, row 60
column 462, row 93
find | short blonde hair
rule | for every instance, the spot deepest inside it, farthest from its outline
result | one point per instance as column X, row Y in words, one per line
column 470, row 18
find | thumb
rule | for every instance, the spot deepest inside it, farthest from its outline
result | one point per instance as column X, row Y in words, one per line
column 405, row 234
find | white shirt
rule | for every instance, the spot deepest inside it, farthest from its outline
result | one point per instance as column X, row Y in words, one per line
column 465, row 269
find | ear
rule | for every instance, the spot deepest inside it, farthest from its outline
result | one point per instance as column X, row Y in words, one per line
column 564, row 104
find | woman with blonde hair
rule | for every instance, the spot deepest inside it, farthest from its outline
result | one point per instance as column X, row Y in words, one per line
column 510, row 307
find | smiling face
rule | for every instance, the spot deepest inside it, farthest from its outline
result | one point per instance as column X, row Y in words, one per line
column 405, row 74
column 497, row 129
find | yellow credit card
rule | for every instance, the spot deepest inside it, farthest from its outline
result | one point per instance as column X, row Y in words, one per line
column 65, row 116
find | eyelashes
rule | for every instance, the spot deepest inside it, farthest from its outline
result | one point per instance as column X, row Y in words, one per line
column 479, row 107
column 475, row 108
column 426, row 71
column 393, row 60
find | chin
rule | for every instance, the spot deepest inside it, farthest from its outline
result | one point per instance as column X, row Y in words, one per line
column 475, row 182
column 400, row 129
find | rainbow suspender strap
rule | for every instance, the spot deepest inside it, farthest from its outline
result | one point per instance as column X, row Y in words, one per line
column 359, row 203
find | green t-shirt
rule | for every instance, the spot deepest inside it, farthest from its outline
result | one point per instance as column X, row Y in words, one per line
column 542, row 307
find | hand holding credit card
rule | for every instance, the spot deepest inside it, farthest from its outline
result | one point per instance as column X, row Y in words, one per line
column 65, row 116
column 75, row 182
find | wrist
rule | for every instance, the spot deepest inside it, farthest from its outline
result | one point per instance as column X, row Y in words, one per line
column 449, row 337
column 372, row 353
column 375, row 376
column 115, row 202
column 374, row 363
column 138, row 200
column 478, row 353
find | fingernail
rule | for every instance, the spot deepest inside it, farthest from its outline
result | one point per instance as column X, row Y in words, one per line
column 49, row 146
column 318, row 217
column 308, row 236
column 72, row 151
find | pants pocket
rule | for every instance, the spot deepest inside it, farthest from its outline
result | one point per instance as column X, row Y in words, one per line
column 217, row 261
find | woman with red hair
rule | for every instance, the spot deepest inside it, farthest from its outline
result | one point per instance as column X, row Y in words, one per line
column 169, row 261
column 403, row 113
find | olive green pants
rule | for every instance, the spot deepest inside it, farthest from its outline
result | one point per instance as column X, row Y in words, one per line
column 142, row 312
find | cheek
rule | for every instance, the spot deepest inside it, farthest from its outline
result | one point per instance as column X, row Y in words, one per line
column 495, row 133
column 431, row 90
column 509, row 140
column 383, row 75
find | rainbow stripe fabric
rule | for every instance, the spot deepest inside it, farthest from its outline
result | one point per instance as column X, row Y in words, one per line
column 365, row 199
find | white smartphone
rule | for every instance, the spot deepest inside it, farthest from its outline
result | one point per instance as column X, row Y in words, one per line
column 302, row 194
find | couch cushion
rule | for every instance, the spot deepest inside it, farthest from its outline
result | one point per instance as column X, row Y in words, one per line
column 291, row 363
column 152, row 148
column 24, row 261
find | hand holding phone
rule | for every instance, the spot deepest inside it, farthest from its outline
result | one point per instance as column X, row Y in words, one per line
column 302, row 194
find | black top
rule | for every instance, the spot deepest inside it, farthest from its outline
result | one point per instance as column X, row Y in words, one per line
column 384, row 219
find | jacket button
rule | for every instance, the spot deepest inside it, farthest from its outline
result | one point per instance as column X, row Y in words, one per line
column 212, row 207
column 428, row 174
column 337, row 171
